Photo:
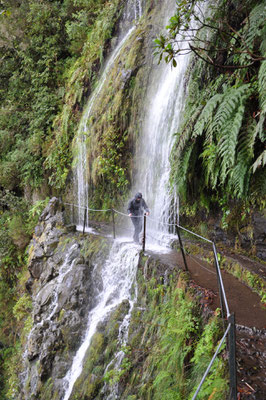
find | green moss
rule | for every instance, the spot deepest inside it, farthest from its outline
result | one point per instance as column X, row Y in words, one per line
column 47, row 391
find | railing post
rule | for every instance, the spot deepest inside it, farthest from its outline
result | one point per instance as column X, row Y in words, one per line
column 84, row 219
column 72, row 213
column 113, row 218
column 182, row 248
column 219, row 284
column 232, row 357
column 144, row 233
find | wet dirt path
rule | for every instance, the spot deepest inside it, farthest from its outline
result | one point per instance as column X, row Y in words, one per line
column 250, row 320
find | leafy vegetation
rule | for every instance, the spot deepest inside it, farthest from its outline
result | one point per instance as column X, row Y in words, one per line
column 17, row 222
column 50, row 53
column 219, row 153
column 170, row 346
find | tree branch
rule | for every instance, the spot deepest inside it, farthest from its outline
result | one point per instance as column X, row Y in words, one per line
column 211, row 62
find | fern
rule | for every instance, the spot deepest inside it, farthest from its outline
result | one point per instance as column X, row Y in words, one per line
column 207, row 114
column 239, row 178
column 210, row 165
column 255, row 24
column 231, row 100
column 228, row 141
column 182, row 170
column 246, row 141
column 258, row 188
column 262, row 99
column 261, row 161
column 262, row 85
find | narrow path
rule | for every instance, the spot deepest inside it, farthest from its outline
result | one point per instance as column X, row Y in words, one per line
column 241, row 300
column 248, row 309
column 250, row 319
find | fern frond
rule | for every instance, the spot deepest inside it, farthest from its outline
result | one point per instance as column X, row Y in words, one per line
column 246, row 141
column 180, row 144
column 207, row 114
column 255, row 24
column 261, row 161
column 181, row 174
column 233, row 97
column 262, row 99
column 262, row 85
column 258, row 188
column 260, row 130
column 238, row 179
column 211, row 168
column 228, row 141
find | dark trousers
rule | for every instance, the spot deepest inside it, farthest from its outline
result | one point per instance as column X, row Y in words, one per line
column 137, row 222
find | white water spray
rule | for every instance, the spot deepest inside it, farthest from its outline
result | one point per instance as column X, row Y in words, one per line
column 118, row 276
column 163, row 115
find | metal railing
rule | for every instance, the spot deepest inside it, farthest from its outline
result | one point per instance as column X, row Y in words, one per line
column 229, row 331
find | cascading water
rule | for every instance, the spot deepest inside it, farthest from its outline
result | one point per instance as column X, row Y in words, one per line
column 132, row 13
column 163, row 115
column 118, row 276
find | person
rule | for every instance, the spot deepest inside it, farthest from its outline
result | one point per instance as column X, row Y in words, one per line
column 135, row 210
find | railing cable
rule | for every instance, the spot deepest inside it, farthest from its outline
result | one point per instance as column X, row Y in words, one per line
column 222, row 295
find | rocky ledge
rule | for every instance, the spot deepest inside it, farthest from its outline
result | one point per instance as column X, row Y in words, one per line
column 60, row 264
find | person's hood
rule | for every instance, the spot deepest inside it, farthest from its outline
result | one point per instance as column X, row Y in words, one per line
column 138, row 195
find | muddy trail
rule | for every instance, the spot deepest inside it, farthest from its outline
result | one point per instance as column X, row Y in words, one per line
column 250, row 319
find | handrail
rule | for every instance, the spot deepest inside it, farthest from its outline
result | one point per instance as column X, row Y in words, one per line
column 230, row 317
column 212, row 361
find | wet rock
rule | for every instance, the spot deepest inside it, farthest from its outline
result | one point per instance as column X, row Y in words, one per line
column 29, row 284
column 51, row 209
column 45, row 294
column 36, row 269
column 71, row 228
column 125, row 76
column 259, row 226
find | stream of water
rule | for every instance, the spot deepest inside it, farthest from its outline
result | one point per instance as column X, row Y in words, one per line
column 118, row 276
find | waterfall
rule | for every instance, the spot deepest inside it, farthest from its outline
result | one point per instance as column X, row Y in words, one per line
column 132, row 13
column 163, row 116
column 118, row 276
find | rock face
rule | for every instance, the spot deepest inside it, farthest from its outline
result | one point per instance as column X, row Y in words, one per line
column 60, row 264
